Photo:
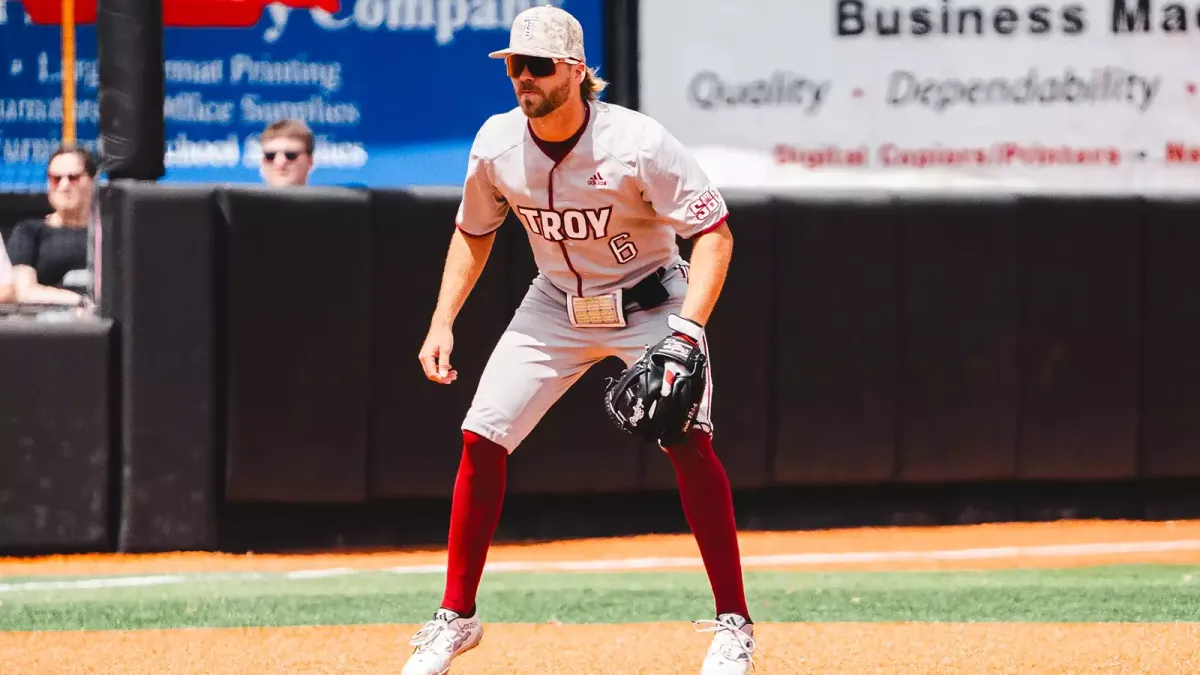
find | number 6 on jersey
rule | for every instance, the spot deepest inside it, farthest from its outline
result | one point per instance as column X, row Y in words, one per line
column 623, row 250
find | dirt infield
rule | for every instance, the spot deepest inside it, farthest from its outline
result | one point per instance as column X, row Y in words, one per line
column 669, row 649
column 943, row 648
column 916, row 539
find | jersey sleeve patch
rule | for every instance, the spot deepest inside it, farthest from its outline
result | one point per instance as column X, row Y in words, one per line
column 706, row 204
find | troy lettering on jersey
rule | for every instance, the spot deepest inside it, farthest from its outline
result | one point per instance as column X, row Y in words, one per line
column 567, row 223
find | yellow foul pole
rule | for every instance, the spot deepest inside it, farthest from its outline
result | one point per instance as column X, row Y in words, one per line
column 68, row 71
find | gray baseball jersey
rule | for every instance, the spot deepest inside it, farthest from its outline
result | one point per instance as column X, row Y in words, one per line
column 606, row 216
column 602, row 219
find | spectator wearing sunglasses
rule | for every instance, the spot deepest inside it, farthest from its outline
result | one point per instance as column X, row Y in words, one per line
column 287, row 149
column 8, row 292
column 45, row 250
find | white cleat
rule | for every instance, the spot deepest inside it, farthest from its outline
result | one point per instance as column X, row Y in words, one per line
column 443, row 638
column 732, row 646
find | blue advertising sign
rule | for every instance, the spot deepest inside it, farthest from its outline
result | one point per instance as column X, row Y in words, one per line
column 394, row 90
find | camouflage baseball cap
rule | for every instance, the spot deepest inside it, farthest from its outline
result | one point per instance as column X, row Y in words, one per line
column 545, row 31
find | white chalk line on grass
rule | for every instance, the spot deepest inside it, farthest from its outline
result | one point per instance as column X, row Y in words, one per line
column 801, row 559
column 322, row 574
column 101, row 582
column 627, row 564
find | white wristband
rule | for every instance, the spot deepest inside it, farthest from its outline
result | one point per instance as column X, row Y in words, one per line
column 686, row 326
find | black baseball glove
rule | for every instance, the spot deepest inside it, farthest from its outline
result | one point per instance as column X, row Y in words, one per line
column 658, row 396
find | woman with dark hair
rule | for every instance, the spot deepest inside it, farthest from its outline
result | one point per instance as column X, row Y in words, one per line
column 44, row 250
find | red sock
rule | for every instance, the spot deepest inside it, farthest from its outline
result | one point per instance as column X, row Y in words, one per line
column 708, row 506
column 474, row 514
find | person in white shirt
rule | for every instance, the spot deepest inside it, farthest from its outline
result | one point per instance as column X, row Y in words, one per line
column 8, row 292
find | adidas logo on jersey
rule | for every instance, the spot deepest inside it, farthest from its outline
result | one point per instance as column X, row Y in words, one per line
column 596, row 180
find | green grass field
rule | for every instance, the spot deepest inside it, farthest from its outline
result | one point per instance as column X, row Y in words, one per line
column 1128, row 593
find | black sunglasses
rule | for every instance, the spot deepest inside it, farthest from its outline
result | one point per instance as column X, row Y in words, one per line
column 539, row 66
column 290, row 155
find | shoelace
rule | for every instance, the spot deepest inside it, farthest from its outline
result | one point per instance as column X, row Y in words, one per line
column 734, row 643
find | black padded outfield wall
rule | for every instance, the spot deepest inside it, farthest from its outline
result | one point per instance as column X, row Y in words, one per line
column 1169, row 438
column 835, row 356
column 159, row 273
column 959, row 315
column 56, row 433
column 860, row 340
column 297, row 343
column 414, row 440
column 1080, row 369
column 265, row 344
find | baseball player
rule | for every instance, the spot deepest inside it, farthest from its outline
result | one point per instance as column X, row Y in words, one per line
column 602, row 192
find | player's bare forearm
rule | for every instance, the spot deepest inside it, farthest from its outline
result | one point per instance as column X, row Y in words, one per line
column 709, row 264
column 465, row 261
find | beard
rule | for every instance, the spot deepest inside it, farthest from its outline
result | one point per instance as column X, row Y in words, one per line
column 548, row 103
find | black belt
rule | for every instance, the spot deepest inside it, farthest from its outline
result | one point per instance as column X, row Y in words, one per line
column 647, row 293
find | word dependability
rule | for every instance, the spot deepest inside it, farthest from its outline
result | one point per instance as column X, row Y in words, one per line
column 859, row 18
column 1107, row 85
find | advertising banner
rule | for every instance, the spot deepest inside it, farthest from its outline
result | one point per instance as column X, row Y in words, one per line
column 1084, row 96
column 394, row 90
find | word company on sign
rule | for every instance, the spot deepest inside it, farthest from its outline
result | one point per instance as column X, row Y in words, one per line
column 444, row 18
